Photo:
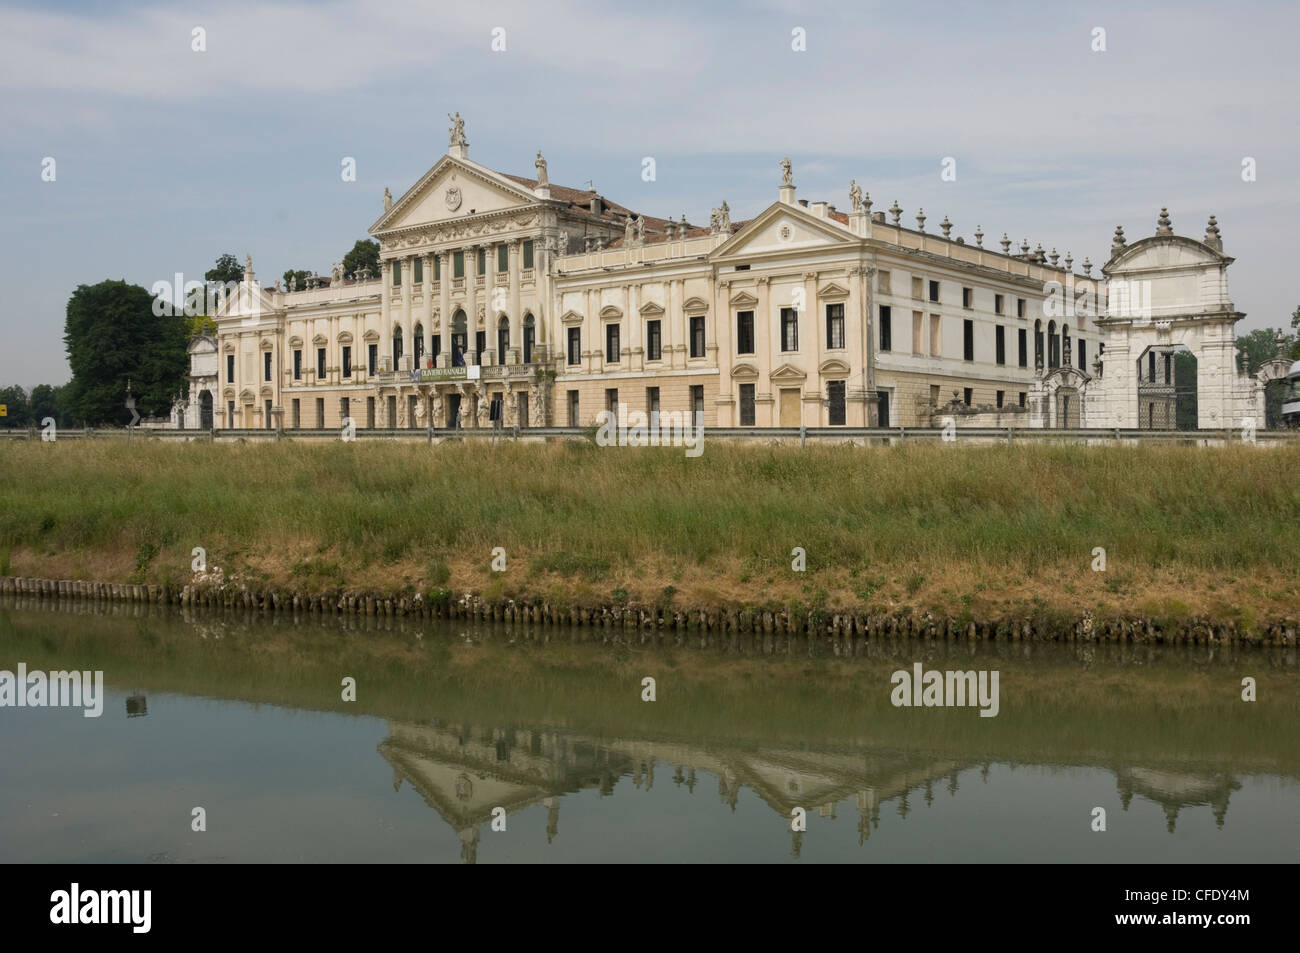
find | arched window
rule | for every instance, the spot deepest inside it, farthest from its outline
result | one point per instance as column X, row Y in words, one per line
column 1038, row 344
column 529, row 333
column 1053, row 346
column 397, row 345
column 417, row 344
column 503, row 339
column 1065, row 345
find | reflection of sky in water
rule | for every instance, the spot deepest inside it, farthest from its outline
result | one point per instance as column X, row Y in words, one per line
column 281, row 784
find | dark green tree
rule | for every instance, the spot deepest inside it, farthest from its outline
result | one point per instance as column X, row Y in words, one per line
column 113, row 336
column 46, row 402
column 226, row 269
column 17, row 408
column 1260, row 345
column 301, row 274
column 364, row 254
column 1185, row 406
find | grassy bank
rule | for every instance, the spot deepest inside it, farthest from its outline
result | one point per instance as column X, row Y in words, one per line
column 982, row 531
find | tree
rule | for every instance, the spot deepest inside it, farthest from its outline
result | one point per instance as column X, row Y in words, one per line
column 226, row 269
column 113, row 336
column 45, row 403
column 17, row 409
column 299, row 274
column 1260, row 345
column 364, row 254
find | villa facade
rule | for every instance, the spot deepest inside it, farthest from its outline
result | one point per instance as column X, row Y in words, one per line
column 506, row 298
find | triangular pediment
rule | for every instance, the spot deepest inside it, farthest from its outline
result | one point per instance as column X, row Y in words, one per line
column 787, row 372
column 742, row 300
column 651, row 310
column 833, row 290
column 453, row 189
column 783, row 227
column 251, row 302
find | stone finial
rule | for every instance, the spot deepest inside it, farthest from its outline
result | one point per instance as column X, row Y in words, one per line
column 1212, row 236
column 866, row 202
column 1278, row 342
column 979, row 236
column 1163, row 225
column 1024, row 247
column 1053, row 257
column 896, row 212
column 1117, row 244
column 1006, row 244
column 1069, row 262
column 920, row 220
column 1087, row 268
column 946, row 226
column 1039, row 254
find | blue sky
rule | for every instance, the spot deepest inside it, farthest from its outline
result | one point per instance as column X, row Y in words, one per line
column 167, row 157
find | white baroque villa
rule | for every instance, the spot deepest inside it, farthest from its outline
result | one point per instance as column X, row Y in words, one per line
column 505, row 297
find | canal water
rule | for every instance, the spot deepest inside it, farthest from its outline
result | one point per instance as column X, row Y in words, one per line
column 505, row 745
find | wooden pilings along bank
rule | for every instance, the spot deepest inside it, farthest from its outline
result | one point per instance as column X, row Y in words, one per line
column 838, row 624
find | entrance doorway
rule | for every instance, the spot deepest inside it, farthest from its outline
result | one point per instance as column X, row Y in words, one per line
column 453, row 410
column 205, row 410
column 789, row 397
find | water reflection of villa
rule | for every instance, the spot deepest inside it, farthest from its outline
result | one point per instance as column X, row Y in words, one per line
column 463, row 773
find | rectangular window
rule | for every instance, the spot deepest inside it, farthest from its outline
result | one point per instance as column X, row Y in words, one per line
column 347, row 360
column 345, row 410
column 653, row 341
column 697, row 336
column 611, row 401
column 747, row 405
column 480, row 265
column 503, row 258
column 528, row 254
column 266, row 365
column 934, row 395
column 437, row 348
column 917, row 339
column 458, row 264
column 418, row 277
column 968, row 340
column 1020, row 307
column 834, row 326
column 966, row 396
column 1082, row 348
column 934, row 291
column 320, row 413
column 297, row 413
column 575, row 348
column 652, row 400
column 372, row 357
column 744, row 332
column 437, row 267
column 1001, row 344
column 882, row 409
column 967, row 298
column 697, row 403
column 1002, row 396
column 230, row 413
column 918, row 288
column 1022, row 398
column 838, row 411
column 999, row 304
column 320, row 363
column 611, row 344
column 789, row 329
column 297, row 364
column 573, row 408
column 230, row 368
column 886, row 332
column 397, row 272
column 267, row 416
column 480, row 345
column 935, row 343
column 1022, row 343
column 370, row 413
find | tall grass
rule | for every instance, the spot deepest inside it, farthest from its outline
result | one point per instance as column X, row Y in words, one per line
column 610, row 516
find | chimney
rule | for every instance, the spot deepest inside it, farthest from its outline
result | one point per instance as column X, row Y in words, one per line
column 597, row 206
column 818, row 209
